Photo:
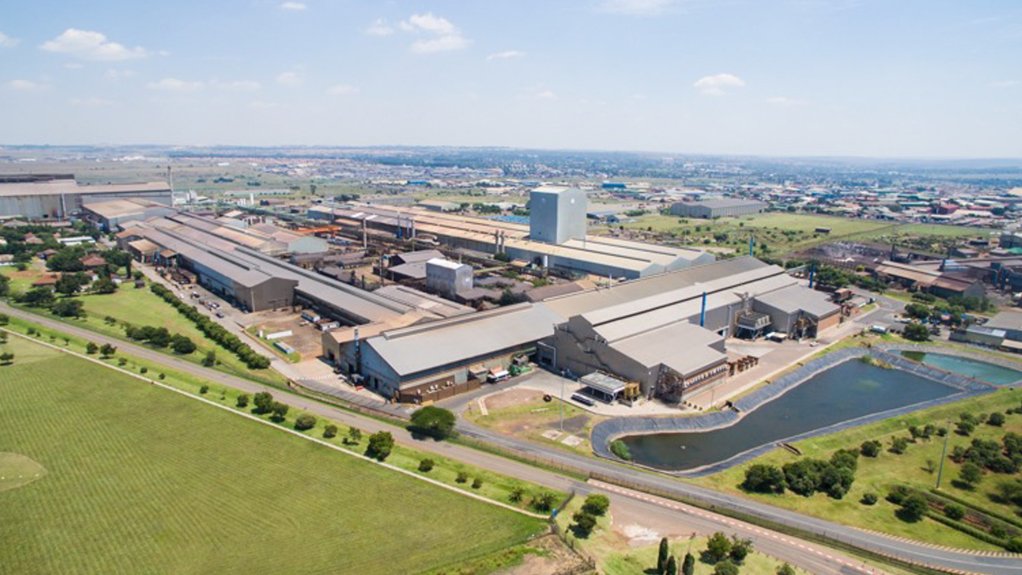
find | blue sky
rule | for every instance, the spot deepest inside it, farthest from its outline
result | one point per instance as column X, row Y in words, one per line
column 790, row 77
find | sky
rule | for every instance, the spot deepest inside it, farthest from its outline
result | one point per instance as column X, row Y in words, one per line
column 906, row 78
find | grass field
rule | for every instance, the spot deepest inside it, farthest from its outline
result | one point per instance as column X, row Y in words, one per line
column 639, row 561
column 879, row 475
column 530, row 418
column 141, row 480
column 781, row 232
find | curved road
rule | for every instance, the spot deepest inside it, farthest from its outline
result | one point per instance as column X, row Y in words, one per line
column 909, row 551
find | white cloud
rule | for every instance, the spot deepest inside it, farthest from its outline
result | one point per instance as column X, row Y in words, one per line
column 117, row 74
column 238, row 85
column 175, row 85
column 444, row 35
column 342, row 90
column 262, row 105
column 785, row 101
column 1005, row 84
column 636, row 7
column 8, row 42
column 73, row 65
column 546, row 95
column 717, row 84
column 505, row 55
column 25, row 85
column 89, row 45
column 293, row 6
column 90, row 102
column 289, row 79
column 380, row 28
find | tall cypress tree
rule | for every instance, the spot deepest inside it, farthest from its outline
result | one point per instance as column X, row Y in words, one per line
column 661, row 560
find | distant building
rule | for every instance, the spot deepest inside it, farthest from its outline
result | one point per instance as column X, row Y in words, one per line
column 440, row 206
column 59, row 196
column 448, row 278
column 557, row 214
column 718, row 208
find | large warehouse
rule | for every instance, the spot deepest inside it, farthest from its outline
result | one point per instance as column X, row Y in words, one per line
column 555, row 237
column 59, row 196
column 718, row 208
column 665, row 332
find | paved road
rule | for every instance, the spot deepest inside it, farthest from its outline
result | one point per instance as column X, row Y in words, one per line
column 649, row 482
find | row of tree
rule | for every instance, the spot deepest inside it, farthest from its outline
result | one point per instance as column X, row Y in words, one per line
column 160, row 337
column 213, row 330
column 805, row 476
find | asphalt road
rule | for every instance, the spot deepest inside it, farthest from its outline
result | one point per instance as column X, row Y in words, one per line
column 650, row 482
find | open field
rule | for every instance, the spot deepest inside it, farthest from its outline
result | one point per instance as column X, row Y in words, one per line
column 879, row 475
column 142, row 480
column 638, row 561
column 780, row 233
column 523, row 413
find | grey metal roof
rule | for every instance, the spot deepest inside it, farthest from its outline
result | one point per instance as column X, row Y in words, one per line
column 726, row 203
column 603, row 382
column 682, row 346
column 794, row 298
column 423, row 301
column 452, row 342
column 1008, row 319
column 63, row 186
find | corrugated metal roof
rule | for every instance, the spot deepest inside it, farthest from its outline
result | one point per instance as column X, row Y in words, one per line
column 51, row 187
column 450, row 342
column 682, row 346
column 1008, row 319
column 794, row 298
column 423, row 301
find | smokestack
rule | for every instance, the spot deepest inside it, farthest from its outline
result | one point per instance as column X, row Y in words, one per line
column 702, row 312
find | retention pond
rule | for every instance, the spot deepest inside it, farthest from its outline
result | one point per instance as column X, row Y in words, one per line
column 980, row 370
column 847, row 391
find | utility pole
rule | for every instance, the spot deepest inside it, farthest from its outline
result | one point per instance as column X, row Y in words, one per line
column 943, row 453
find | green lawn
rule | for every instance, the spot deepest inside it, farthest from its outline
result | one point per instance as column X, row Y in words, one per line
column 639, row 561
column 141, row 480
column 879, row 475
column 531, row 418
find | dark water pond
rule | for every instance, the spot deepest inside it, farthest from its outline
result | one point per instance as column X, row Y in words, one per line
column 850, row 390
column 981, row 370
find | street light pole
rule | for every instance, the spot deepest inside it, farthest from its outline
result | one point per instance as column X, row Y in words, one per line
column 943, row 453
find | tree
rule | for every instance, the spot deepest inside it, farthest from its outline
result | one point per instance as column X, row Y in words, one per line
column 426, row 465
column 107, row 350
column 763, row 478
column 354, row 435
column 970, row 474
column 996, row 419
column 91, row 348
column 662, row 554
column 596, row 504
column 740, row 549
column 305, row 422
column 898, row 445
column 203, row 390
column 725, row 568
column 870, row 448
column 69, row 308
column 242, row 401
column 785, row 569
column 545, row 501
column 672, row 566
column 279, row 411
column 104, row 286
column 433, row 421
column 688, row 565
column 210, row 359
column 477, row 483
column 380, row 445
column 462, row 477
column 263, row 402
column 917, row 311
column 584, row 523
column 869, row 499
column 38, row 297
column 69, row 284
column 718, row 547
column 913, row 507
column 916, row 332
column 330, row 431
column 6, row 358
column 181, row 344
column 4, row 318
column 516, row 494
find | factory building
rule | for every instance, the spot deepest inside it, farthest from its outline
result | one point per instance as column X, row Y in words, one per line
column 447, row 278
column 596, row 255
column 59, row 196
column 718, row 208
column 111, row 215
column 557, row 214
column 665, row 333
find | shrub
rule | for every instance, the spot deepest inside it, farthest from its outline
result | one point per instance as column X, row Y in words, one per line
column 740, row 549
column 380, row 445
column 620, row 449
column 279, row 411
column 330, row 431
column 725, row 568
column 462, row 477
column 354, row 436
column 898, row 445
column 996, row 419
column 762, row 478
column 868, row 499
column 955, row 512
column 516, row 494
column 913, row 507
column 970, row 474
column 477, row 483
column 122, row 361
column 242, row 401
column 545, row 501
column 91, row 348
column 204, row 389
column 305, row 422
column 263, row 402
column 436, row 422
column 426, row 465
column 718, row 547
column 596, row 504
column 143, row 370
column 870, row 448
column 584, row 523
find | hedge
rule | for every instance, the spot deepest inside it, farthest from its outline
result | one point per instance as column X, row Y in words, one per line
column 213, row 330
column 996, row 515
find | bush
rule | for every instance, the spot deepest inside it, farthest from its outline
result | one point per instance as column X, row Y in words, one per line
column 436, row 422
column 426, row 465
column 330, row 431
column 263, row 402
column 970, row 474
column 718, row 547
column 762, row 478
column 477, row 483
column 305, row 422
column 596, row 504
column 868, row 499
column 204, row 389
column 279, row 411
column 380, row 445
column 181, row 344
column 462, row 477
column 122, row 361
column 143, row 370
column 725, row 568
column 870, row 448
column 898, row 445
column 620, row 449
column 955, row 512
column 584, row 523
column 516, row 494
column 545, row 501
column 996, row 419
column 91, row 348
column 242, row 401
column 740, row 549
column 913, row 508
column 354, row 436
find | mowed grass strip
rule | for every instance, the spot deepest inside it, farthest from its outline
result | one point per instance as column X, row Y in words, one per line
column 140, row 480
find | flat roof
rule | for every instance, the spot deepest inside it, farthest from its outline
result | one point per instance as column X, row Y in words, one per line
column 65, row 186
column 423, row 301
column 602, row 382
column 794, row 298
column 664, row 346
column 1008, row 319
column 725, row 203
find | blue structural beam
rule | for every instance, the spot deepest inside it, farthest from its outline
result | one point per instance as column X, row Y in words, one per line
column 702, row 312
